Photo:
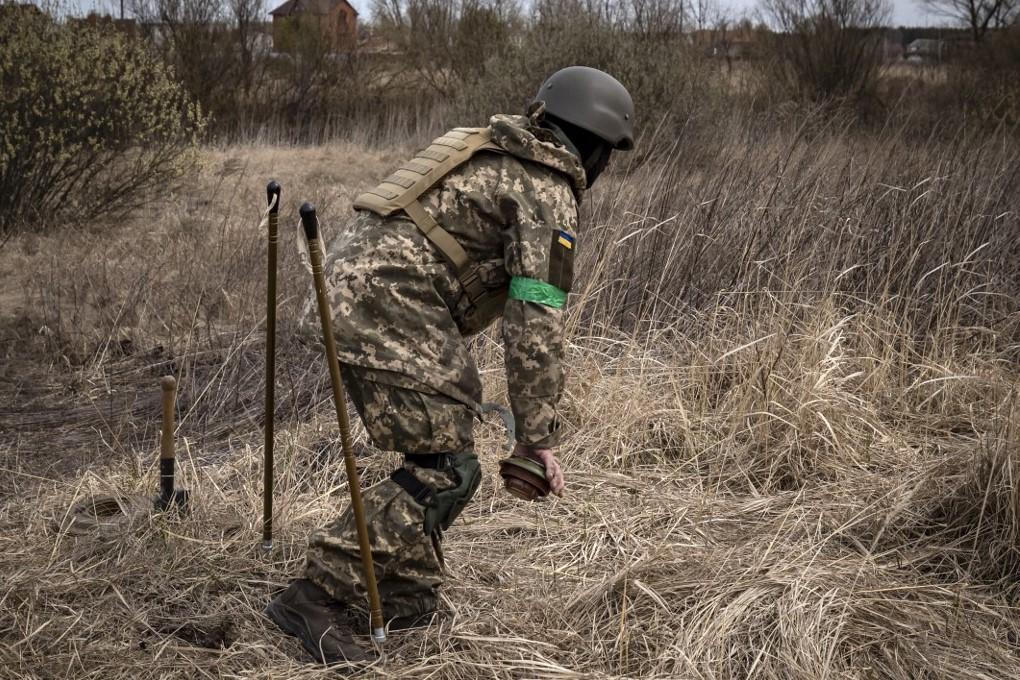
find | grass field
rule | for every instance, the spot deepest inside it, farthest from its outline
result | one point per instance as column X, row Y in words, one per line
column 792, row 411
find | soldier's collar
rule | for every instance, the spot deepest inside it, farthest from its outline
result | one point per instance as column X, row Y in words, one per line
column 561, row 137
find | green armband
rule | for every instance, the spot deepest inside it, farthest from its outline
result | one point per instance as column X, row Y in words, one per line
column 533, row 290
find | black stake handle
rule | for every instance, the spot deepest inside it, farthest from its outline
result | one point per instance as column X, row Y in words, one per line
column 273, row 191
column 309, row 221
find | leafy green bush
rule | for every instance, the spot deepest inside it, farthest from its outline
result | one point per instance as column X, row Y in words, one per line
column 92, row 122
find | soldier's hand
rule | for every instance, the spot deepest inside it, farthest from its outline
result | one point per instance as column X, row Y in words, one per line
column 553, row 471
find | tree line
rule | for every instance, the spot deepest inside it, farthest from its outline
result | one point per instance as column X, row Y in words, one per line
column 125, row 102
column 470, row 57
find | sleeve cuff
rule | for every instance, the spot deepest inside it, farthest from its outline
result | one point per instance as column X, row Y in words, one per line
column 550, row 440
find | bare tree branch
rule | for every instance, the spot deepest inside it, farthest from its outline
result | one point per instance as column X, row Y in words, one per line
column 978, row 15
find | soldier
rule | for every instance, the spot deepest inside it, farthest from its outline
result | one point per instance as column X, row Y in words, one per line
column 482, row 223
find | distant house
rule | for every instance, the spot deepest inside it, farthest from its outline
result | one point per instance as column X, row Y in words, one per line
column 925, row 50
column 336, row 19
column 724, row 43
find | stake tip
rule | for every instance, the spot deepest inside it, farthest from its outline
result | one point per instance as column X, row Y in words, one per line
column 168, row 383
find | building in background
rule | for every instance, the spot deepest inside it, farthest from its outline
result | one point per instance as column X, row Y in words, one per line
column 335, row 20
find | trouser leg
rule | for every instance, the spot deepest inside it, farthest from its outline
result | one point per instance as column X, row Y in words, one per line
column 408, row 567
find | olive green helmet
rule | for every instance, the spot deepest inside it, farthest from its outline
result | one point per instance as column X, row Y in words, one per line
column 592, row 100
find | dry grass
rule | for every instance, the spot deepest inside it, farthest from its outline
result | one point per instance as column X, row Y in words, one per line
column 793, row 430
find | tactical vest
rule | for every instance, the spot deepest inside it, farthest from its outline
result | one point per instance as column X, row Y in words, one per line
column 401, row 191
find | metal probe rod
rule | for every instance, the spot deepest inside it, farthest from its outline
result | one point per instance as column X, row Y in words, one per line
column 311, row 225
column 273, row 199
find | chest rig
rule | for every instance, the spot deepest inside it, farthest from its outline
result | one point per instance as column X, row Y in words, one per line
column 401, row 191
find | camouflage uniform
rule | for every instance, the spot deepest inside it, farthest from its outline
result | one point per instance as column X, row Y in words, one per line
column 399, row 320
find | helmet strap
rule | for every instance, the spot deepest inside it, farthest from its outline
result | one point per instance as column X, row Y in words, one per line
column 595, row 164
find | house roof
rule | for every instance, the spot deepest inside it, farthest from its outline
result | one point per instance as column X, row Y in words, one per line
column 320, row 7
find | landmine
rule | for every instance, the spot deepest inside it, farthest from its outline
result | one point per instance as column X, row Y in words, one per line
column 110, row 515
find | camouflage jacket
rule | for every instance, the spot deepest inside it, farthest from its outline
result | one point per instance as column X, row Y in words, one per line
column 399, row 308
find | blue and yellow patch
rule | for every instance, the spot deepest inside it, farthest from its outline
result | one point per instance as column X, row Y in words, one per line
column 561, row 260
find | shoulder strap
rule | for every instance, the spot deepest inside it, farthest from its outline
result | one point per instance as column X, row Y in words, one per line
column 442, row 239
column 422, row 172
column 401, row 191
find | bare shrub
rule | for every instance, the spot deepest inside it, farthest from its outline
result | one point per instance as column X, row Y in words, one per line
column 92, row 122
column 447, row 43
column 312, row 88
column 984, row 85
column 980, row 16
column 825, row 49
column 214, row 48
column 482, row 58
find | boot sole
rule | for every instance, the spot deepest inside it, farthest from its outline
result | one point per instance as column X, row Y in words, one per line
column 287, row 627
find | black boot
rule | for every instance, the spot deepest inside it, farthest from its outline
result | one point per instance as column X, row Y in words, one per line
column 324, row 626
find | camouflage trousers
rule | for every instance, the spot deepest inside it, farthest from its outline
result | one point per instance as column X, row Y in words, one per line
column 408, row 563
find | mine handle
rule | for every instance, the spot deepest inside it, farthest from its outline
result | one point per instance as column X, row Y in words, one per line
column 311, row 225
column 273, row 201
column 169, row 387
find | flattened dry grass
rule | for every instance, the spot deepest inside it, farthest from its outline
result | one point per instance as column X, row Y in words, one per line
column 794, row 476
column 678, row 551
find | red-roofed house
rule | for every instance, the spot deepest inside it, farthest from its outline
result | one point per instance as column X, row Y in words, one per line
column 337, row 19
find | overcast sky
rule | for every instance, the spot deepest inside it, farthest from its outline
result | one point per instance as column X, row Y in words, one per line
column 904, row 12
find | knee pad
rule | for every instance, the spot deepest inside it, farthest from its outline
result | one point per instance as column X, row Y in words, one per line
column 447, row 505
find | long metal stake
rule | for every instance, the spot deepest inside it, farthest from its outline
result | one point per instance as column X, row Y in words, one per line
column 273, row 198
column 311, row 225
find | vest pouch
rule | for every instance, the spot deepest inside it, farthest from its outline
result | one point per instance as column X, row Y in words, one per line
column 486, row 286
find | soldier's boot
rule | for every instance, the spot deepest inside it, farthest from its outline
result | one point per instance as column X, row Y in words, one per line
column 323, row 625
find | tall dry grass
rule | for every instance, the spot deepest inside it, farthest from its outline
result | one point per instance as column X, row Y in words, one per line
column 792, row 428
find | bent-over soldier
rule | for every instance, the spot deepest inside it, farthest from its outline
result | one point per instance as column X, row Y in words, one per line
column 482, row 223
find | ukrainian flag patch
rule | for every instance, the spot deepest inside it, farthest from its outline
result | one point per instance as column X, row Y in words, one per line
column 561, row 260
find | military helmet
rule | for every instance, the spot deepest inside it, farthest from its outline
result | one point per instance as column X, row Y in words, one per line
column 592, row 100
